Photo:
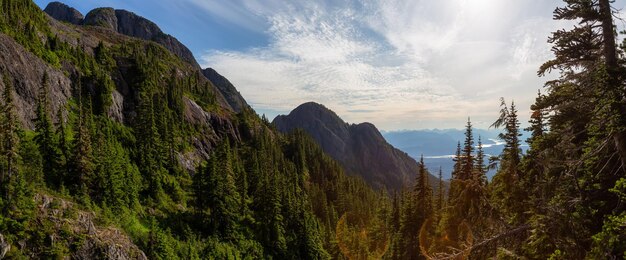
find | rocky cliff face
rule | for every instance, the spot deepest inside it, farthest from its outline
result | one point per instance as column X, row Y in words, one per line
column 26, row 71
column 62, row 12
column 103, row 17
column 233, row 97
column 131, row 24
column 360, row 148
column 128, row 23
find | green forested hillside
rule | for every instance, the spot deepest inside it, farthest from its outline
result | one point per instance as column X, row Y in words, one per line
column 249, row 193
column 113, row 147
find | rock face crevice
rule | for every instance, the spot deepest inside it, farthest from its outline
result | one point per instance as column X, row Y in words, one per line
column 360, row 148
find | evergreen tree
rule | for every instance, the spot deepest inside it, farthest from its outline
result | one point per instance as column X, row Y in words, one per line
column 423, row 193
column 480, row 159
column 64, row 145
column 439, row 205
column 467, row 159
column 222, row 195
column 507, row 190
column 10, row 138
column 45, row 136
column 82, row 161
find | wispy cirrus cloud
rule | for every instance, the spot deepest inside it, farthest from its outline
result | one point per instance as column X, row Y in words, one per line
column 396, row 63
column 400, row 64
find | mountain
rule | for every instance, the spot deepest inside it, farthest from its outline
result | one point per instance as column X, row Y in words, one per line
column 131, row 24
column 117, row 145
column 63, row 12
column 360, row 148
column 233, row 97
column 124, row 22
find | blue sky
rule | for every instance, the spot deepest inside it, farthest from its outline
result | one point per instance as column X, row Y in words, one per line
column 400, row 64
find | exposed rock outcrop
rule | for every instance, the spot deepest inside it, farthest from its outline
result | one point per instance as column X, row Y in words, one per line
column 233, row 97
column 103, row 17
column 62, row 12
column 131, row 24
column 4, row 246
column 95, row 242
column 26, row 71
column 360, row 148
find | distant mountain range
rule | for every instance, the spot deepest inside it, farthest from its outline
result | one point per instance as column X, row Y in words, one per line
column 439, row 145
column 360, row 148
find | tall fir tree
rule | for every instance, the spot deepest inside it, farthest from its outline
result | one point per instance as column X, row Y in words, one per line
column 45, row 136
column 467, row 159
column 506, row 188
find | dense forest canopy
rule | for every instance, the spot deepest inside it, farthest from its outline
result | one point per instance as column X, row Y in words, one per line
column 178, row 174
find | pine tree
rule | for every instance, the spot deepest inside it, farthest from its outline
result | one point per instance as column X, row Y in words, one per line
column 586, row 141
column 423, row 193
column 82, row 161
column 222, row 195
column 507, row 190
column 63, row 144
column 480, row 163
column 10, row 138
column 467, row 159
column 439, row 206
column 45, row 136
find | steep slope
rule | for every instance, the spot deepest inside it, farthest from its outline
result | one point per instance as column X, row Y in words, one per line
column 131, row 24
column 233, row 97
column 63, row 12
column 119, row 131
column 124, row 22
column 360, row 148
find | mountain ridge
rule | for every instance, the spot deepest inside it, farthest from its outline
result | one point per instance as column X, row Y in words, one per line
column 360, row 148
column 126, row 131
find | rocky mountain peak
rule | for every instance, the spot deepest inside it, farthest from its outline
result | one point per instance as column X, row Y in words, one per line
column 123, row 22
column 102, row 17
column 63, row 12
column 360, row 148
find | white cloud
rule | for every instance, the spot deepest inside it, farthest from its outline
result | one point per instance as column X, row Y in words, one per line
column 396, row 63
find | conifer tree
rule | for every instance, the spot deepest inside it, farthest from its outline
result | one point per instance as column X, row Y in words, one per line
column 45, row 135
column 222, row 194
column 439, row 206
column 63, row 144
column 507, row 191
column 456, row 170
column 480, row 163
column 586, row 142
column 423, row 193
column 467, row 160
column 82, row 161
column 10, row 139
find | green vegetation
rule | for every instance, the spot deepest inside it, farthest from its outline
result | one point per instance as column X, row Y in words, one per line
column 256, row 193
column 259, row 195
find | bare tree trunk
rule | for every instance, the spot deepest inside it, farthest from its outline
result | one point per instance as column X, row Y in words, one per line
column 612, row 67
